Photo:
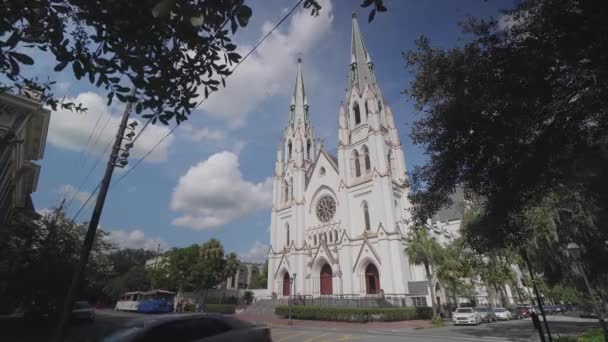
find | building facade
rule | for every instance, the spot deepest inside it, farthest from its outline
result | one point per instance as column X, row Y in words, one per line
column 242, row 278
column 24, row 125
column 338, row 224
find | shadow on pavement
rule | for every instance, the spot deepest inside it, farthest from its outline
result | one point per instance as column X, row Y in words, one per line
column 525, row 332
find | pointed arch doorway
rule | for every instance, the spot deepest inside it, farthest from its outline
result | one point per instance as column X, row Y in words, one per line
column 326, row 280
column 372, row 280
column 286, row 284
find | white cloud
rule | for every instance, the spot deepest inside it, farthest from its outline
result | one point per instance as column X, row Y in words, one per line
column 69, row 192
column 135, row 239
column 71, row 130
column 257, row 253
column 213, row 193
column 270, row 70
column 202, row 134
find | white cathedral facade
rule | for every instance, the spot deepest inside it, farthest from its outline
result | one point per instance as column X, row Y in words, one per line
column 339, row 224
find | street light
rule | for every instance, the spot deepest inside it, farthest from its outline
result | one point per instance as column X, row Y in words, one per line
column 575, row 253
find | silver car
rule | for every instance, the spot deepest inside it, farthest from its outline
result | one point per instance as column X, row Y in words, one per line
column 487, row 314
column 191, row 327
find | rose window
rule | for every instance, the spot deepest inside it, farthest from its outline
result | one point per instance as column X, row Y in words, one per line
column 326, row 208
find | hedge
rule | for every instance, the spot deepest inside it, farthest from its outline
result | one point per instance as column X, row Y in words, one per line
column 220, row 308
column 355, row 314
column 213, row 308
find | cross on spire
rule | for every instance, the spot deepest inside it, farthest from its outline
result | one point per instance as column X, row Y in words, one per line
column 299, row 102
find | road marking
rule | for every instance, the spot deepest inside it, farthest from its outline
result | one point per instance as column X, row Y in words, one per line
column 450, row 337
column 285, row 338
column 315, row 337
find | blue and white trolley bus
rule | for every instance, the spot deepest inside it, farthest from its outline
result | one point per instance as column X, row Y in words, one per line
column 154, row 301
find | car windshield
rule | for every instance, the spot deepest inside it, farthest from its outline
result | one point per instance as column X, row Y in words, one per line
column 499, row 310
column 464, row 310
column 481, row 309
column 81, row 305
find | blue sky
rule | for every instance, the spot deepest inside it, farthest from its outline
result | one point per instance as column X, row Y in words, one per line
column 212, row 177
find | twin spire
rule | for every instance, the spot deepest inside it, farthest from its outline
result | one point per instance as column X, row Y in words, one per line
column 361, row 66
column 298, row 111
column 361, row 74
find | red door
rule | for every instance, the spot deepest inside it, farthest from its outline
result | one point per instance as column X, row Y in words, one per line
column 286, row 285
column 372, row 280
column 326, row 277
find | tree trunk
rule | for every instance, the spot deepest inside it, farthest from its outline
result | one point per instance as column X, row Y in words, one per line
column 431, row 288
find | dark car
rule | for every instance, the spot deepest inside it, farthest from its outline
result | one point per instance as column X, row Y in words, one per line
column 191, row 327
column 83, row 311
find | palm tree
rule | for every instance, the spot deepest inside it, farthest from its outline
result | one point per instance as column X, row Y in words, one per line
column 212, row 249
column 231, row 266
column 452, row 270
column 423, row 249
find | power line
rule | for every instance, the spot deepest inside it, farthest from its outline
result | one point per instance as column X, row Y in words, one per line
column 204, row 99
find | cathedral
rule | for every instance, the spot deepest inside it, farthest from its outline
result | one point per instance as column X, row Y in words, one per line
column 338, row 223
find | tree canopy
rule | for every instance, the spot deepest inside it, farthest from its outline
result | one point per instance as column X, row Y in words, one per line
column 516, row 114
column 171, row 51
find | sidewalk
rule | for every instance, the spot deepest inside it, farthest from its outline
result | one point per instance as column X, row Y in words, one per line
column 276, row 321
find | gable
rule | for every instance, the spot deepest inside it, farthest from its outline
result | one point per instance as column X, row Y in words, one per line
column 324, row 160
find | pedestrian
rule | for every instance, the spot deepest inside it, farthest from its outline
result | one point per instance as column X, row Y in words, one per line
column 535, row 320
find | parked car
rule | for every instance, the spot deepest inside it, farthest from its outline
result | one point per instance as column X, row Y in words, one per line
column 466, row 316
column 83, row 311
column 524, row 311
column 503, row 314
column 190, row 327
column 487, row 314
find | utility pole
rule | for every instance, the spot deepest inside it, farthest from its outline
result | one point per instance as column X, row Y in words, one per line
column 540, row 304
column 93, row 223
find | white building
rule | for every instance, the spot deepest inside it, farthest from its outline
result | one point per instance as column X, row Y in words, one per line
column 24, row 124
column 338, row 224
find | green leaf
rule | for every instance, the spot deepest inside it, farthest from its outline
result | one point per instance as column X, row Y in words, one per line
column 60, row 66
column 244, row 15
column 233, row 25
column 372, row 14
column 23, row 58
column 77, row 69
column 366, row 3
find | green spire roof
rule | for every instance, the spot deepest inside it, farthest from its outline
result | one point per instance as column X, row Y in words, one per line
column 360, row 60
column 299, row 103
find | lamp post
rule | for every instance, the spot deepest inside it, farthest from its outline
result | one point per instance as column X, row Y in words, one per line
column 575, row 252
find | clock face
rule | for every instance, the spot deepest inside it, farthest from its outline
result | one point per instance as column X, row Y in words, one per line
column 326, row 208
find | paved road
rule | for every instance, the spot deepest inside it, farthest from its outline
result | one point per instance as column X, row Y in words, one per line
column 522, row 330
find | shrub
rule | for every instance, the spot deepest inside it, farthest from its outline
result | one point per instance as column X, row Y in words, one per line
column 424, row 312
column 351, row 314
column 226, row 309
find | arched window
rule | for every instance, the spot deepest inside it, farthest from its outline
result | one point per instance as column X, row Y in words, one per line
column 366, row 111
column 379, row 106
column 356, row 163
column 289, row 147
column 366, row 216
column 290, row 189
column 309, row 149
column 391, row 163
column 357, row 114
column 336, row 235
column 331, row 237
column 367, row 163
column 287, row 234
column 315, row 239
column 285, row 189
column 322, row 171
column 325, row 237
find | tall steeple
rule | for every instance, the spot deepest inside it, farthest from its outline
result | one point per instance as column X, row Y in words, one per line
column 299, row 103
column 361, row 66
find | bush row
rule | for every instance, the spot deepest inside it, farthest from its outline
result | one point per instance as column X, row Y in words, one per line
column 355, row 314
column 226, row 309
